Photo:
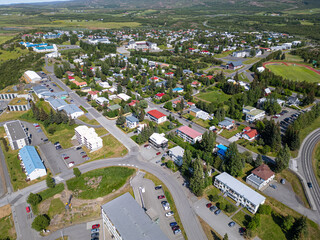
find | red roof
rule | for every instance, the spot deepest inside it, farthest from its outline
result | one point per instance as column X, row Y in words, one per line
column 195, row 83
column 133, row 102
column 169, row 73
column 263, row 171
column 252, row 133
column 190, row 103
column 70, row 77
column 247, row 129
column 93, row 92
column 189, row 132
column 154, row 78
column 156, row 114
column 210, row 77
column 177, row 101
column 160, row 94
column 205, row 51
column 191, row 49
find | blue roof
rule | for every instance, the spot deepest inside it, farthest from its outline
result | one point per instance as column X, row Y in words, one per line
column 132, row 119
column 31, row 159
column 222, row 147
column 177, row 89
column 45, row 48
column 221, row 152
column 71, row 108
column 57, row 103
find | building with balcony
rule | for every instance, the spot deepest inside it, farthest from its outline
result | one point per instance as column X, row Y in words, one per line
column 157, row 116
column 88, row 137
column 16, row 134
column 188, row 134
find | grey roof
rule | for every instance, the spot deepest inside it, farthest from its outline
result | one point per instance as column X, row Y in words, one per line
column 236, row 63
column 71, row 108
column 241, row 188
column 132, row 119
column 15, row 130
column 57, row 103
column 194, row 109
column 177, row 151
column 114, row 107
column 255, row 179
column 130, row 220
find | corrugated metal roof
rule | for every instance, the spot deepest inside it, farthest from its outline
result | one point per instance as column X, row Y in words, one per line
column 31, row 159
column 131, row 221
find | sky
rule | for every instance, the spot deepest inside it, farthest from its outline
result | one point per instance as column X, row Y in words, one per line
column 27, row 1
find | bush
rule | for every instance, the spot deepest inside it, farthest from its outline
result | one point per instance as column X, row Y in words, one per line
column 34, row 199
column 170, row 164
column 41, row 222
column 230, row 208
column 265, row 209
column 50, row 182
column 51, row 129
column 76, row 172
column 214, row 198
column 222, row 205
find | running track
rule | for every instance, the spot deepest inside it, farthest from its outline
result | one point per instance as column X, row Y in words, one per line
column 287, row 64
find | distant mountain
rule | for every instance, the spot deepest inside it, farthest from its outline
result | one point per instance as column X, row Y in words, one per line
column 214, row 4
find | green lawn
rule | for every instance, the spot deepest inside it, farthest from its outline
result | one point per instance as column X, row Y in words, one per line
column 7, row 230
column 316, row 162
column 101, row 131
column 50, row 192
column 213, row 96
column 99, row 182
column 83, row 118
column 241, row 218
column 243, row 77
column 56, row 207
column 295, row 73
column 252, row 146
column 111, row 148
column 269, row 229
column 228, row 134
column 251, row 60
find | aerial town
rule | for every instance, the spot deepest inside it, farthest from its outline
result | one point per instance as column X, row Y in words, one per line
column 142, row 133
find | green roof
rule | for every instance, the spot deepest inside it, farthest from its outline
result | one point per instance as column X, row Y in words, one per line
column 114, row 107
column 18, row 101
column 255, row 112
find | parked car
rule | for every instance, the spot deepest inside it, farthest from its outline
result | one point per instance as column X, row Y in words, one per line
column 71, row 164
column 173, row 224
column 208, row 205
column 283, row 181
column 273, row 186
column 28, row 209
column 177, row 231
column 56, row 143
column 175, row 228
column 147, row 145
column 161, row 196
column 95, row 226
column 168, row 214
column 158, row 153
column 242, row 231
column 83, row 153
column 231, row 224
column 95, row 230
column 217, row 212
column 84, row 156
column 164, row 202
column 78, row 148
column 93, row 235
column 213, row 208
column 158, row 187
column 67, row 157
column 309, row 184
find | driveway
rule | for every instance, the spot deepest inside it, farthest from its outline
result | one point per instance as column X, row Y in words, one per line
column 218, row 222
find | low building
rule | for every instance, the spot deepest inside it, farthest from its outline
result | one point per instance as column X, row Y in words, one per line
column 227, row 123
column 250, row 134
column 221, row 150
column 253, row 114
column 94, row 94
column 158, row 140
column 104, row 84
column 157, row 116
column 72, row 111
column 19, row 104
column 123, row 97
column 102, row 101
column 239, row 192
column 196, row 112
column 16, row 134
column 114, row 107
column 132, row 122
column 188, row 134
column 260, row 177
column 124, row 218
column 31, row 77
column 159, row 96
column 57, row 103
column 88, row 137
column 234, row 65
column 177, row 90
column 176, row 154
column 32, row 163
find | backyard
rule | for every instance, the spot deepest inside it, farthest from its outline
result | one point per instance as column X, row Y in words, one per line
column 213, row 96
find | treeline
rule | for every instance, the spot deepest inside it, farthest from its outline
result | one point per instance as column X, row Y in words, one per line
column 102, row 47
column 12, row 70
column 309, row 55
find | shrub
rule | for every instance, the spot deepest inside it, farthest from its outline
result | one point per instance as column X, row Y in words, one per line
column 265, row 209
column 214, row 198
column 222, row 205
column 41, row 222
column 50, row 182
column 230, row 208
column 76, row 172
column 34, row 199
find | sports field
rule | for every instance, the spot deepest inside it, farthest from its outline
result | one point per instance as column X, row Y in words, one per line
column 294, row 72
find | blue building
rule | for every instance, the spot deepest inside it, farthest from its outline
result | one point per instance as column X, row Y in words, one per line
column 178, row 90
column 32, row 163
column 222, row 150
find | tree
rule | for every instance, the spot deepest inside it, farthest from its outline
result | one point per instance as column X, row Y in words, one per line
column 196, row 182
column 300, row 228
column 287, row 223
column 291, row 138
column 225, row 237
column 121, row 120
column 208, row 141
column 168, row 105
column 141, row 116
column 34, row 199
column 50, row 181
column 258, row 161
column 41, row 222
column 76, row 172
column 282, row 159
column 186, row 162
column 143, row 104
column 233, row 161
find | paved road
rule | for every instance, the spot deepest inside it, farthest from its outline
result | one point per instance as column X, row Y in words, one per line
column 304, row 161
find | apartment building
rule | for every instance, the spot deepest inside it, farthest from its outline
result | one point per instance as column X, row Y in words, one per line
column 88, row 137
column 16, row 134
column 188, row 134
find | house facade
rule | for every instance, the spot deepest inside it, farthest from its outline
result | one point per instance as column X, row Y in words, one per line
column 176, row 155
column 157, row 116
column 188, row 134
column 132, row 122
column 260, row 177
column 253, row 114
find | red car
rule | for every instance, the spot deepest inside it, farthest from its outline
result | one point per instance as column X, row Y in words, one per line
column 274, row 116
column 95, row 226
column 67, row 157
column 161, row 197
column 208, row 205
column 147, row 145
column 28, row 209
column 158, row 153
column 84, row 156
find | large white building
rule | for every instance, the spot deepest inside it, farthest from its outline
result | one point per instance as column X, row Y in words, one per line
column 32, row 77
column 157, row 116
column 125, row 219
column 16, row 134
column 188, row 134
column 88, row 137
column 158, row 140
column 239, row 192
column 176, row 154
column 253, row 114
column 32, row 163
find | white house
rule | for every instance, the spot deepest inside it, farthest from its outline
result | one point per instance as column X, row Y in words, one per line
column 176, row 154
column 88, row 137
column 239, row 192
column 227, row 123
column 260, row 177
column 253, row 114
column 16, row 134
column 200, row 114
column 157, row 116
column 158, row 140
column 104, row 84
column 132, row 122
column 102, row 101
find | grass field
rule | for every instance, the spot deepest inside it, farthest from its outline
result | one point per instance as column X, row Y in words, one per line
column 7, row 230
column 5, row 37
column 99, row 182
column 295, row 73
column 251, row 60
column 228, row 134
column 83, row 118
column 213, row 96
column 316, row 162
column 7, row 55
column 210, row 232
column 56, row 207
column 111, row 148
column 269, row 229
column 50, row 192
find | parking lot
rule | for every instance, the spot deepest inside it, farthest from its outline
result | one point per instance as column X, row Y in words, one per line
column 150, row 153
column 218, row 222
column 151, row 202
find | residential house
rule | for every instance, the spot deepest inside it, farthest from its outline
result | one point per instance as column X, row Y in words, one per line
column 159, row 96
column 253, row 114
column 250, row 134
column 195, row 84
column 170, row 74
column 234, row 65
column 132, row 122
column 158, row 140
column 133, row 103
column 260, row 177
column 94, row 94
column 176, row 154
column 239, row 192
column 196, row 112
column 188, row 134
column 227, row 123
column 88, row 137
column 102, row 101
column 178, row 90
column 157, row 116
column 221, row 150
column 191, row 104
column 114, row 107
column 293, row 101
column 123, row 96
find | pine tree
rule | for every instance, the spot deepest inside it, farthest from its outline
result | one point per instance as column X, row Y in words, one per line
column 282, row 159
column 186, row 162
column 258, row 161
column 197, row 182
column 233, row 161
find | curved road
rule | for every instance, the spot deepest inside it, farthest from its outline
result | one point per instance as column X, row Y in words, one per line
column 305, row 156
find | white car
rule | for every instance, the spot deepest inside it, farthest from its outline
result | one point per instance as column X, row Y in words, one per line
column 168, row 214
